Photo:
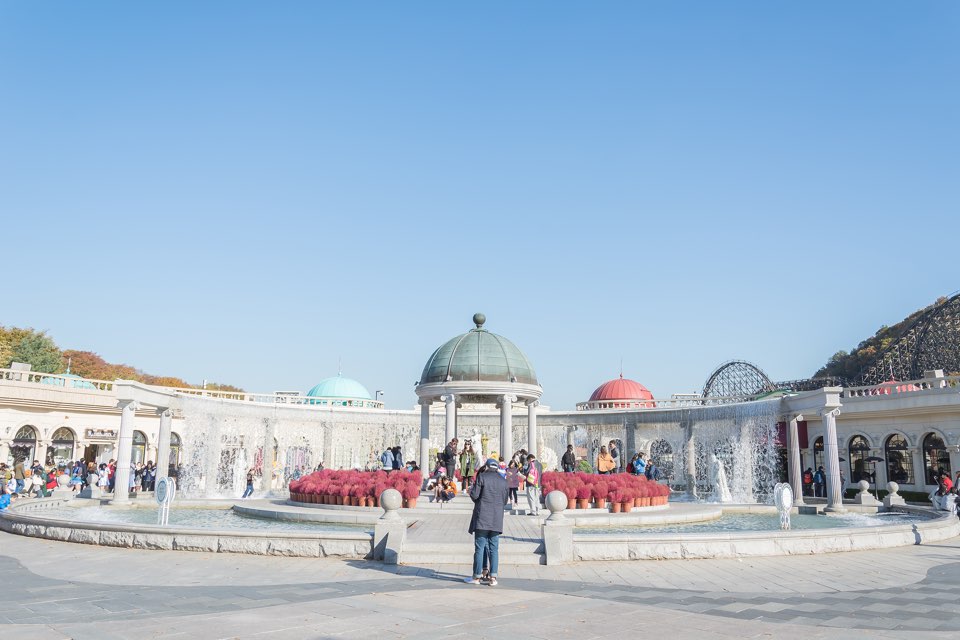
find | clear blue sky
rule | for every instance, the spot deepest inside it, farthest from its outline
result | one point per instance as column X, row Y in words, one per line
column 246, row 191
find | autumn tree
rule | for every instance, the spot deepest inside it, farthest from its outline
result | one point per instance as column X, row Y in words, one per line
column 38, row 350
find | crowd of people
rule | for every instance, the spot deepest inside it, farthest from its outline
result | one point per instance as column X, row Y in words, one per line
column 39, row 480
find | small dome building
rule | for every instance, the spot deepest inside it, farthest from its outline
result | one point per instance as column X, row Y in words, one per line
column 619, row 393
column 478, row 367
column 342, row 392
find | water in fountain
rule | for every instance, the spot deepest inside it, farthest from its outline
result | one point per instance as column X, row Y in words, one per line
column 740, row 437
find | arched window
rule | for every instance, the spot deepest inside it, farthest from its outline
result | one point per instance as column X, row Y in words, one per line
column 935, row 457
column 859, row 451
column 899, row 460
column 818, row 453
column 24, row 446
column 176, row 448
column 60, row 452
column 661, row 453
column 139, row 451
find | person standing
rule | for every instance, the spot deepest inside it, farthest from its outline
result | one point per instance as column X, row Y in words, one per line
column 569, row 460
column 397, row 458
column 533, row 472
column 513, row 481
column 19, row 475
column 640, row 465
column 615, row 454
column 605, row 462
column 489, row 494
column 249, row 490
column 386, row 459
column 819, row 483
column 468, row 466
column 652, row 472
column 450, row 459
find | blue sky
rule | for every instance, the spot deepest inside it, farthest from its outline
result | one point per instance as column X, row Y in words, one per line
column 247, row 192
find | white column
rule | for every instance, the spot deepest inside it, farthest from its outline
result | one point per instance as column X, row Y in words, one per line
column 794, row 466
column 506, row 426
column 163, row 443
column 570, row 436
column 919, row 471
column 832, row 453
column 426, row 465
column 691, row 463
column 121, row 485
column 532, row 427
column 450, row 422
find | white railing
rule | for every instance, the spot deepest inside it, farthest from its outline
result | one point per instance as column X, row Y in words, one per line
column 896, row 387
column 55, row 380
column 278, row 398
column 654, row 404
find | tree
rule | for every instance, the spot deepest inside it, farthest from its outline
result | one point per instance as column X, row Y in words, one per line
column 39, row 350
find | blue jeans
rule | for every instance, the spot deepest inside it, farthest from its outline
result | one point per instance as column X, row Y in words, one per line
column 249, row 491
column 485, row 542
column 20, row 484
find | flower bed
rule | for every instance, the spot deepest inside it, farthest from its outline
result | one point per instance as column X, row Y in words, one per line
column 622, row 491
column 356, row 488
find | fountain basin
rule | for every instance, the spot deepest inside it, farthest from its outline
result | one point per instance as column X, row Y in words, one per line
column 44, row 519
column 653, row 545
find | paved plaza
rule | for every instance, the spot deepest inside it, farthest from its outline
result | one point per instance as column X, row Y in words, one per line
column 64, row 590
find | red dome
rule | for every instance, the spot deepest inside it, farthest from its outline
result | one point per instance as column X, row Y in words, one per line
column 621, row 389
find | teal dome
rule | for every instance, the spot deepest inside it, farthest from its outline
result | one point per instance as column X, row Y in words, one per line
column 478, row 355
column 339, row 387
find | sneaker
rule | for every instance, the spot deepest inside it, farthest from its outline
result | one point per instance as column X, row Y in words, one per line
column 493, row 581
column 472, row 580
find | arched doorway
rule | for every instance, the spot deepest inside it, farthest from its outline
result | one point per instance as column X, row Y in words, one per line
column 899, row 460
column 24, row 446
column 935, row 457
column 139, row 451
column 60, row 451
column 176, row 447
column 661, row 454
column 818, row 453
column 859, row 451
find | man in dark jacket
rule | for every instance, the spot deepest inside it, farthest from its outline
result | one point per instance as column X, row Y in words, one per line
column 450, row 458
column 569, row 460
column 489, row 494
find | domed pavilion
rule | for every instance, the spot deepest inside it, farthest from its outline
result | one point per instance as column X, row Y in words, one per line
column 619, row 393
column 478, row 367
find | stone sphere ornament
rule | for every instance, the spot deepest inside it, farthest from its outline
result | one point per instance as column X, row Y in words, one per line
column 864, row 486
column 391, row 500
column 479, row 319
column 893, row 487
column 556, row 501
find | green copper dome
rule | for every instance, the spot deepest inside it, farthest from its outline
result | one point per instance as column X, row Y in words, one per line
column 478, row 355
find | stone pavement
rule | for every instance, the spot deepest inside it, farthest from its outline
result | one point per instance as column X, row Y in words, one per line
column 63, row 590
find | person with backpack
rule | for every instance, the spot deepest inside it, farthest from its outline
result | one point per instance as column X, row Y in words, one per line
column 819, row 483
column 532, row 474
column 652, row 471
column 808, row 482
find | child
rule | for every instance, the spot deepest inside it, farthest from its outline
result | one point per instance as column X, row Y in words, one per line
column 513, row 480
column 75, row 480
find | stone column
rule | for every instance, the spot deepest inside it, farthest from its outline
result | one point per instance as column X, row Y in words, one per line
column 121, row 490
column 691, row 463
column 506, row 426
column 426, row 465
column 832, row 452
column 532, row 427
column 919, row 470
column 570, row 431
column 794, row 465
column 630, row 445
column 163, row 442
column 450, row 423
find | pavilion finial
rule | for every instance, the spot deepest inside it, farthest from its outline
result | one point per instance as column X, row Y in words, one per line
column 479, row 319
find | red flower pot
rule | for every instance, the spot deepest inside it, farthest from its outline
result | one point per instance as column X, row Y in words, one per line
column 615, row 507
column 583, row 503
